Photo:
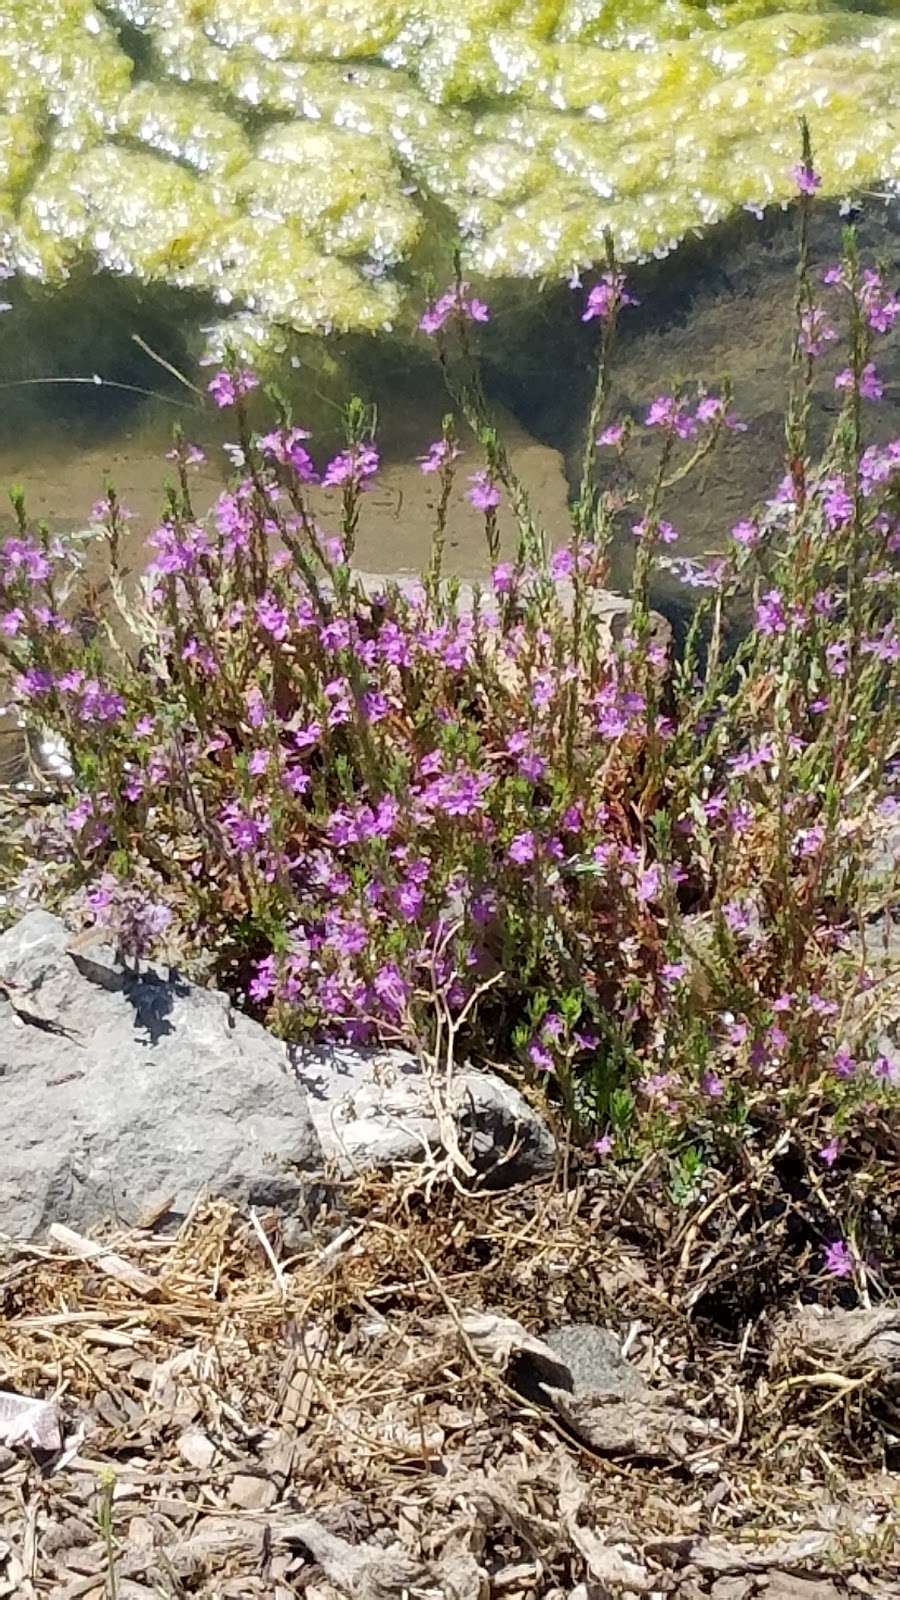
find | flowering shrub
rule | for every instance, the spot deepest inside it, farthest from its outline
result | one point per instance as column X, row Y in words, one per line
column 431, row 812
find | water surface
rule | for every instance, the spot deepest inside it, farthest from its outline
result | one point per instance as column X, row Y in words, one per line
column 285, row 176
column 302, row 163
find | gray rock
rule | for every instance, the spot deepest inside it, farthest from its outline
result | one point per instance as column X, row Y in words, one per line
column 831, row 1338
column 594, row 1358
column 882, row 862
column 791, row 1586
column 118, row 1085
column 612, row 611
column 377, row 1108
column 733, row 1588
column 878, row 1007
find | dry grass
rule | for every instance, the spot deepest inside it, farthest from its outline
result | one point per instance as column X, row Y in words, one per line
column 249, row 1415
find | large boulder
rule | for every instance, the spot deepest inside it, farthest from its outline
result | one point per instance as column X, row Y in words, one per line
column 384, row 1108
column 126, row 1089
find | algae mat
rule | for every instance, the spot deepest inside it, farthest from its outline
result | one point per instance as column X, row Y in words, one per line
column 305, row 162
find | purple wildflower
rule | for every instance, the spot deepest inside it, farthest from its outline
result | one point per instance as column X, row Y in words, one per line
column 391, row 988
column 287, row 447
column 881, row 308
column 296, row 781
column 246, row 832
column 540, row 1056
column 457, row 794
column 562, row 565
column 816, row 332
column 375, row 706
column 484, row 494
column 23, row 557
column 483, row 908
column 649, row 883
column 440, row 455
column 737, row 916
column 838, row 1260
column 410, row 900
column 453, row 303
column 355, row 465
column 809, row 841
column 522, row 849
column 667, row 412
column 770, row 613
column 12, row 621
column 843, row 1063
column 189, row 454
column 572, row 818
column 613, row 435
column 178, row 550
column 663, row 530
column 746, row 534
column 262, row 986
column 273, row 617
column 607, row 296
column 711, row 409
column 227, row 388
column 99, row 704
column 885, row 1069
column 837, row 503
column 870, row 385
column 532, row 766
column 837, row 655
column 806, row 178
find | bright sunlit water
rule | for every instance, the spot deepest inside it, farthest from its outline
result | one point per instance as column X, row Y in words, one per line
column 284, row 175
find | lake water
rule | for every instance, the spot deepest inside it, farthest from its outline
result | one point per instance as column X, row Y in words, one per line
column 287, row 176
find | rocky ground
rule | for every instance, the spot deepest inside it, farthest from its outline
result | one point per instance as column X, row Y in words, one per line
column 357, row 1410
column 418, row 1347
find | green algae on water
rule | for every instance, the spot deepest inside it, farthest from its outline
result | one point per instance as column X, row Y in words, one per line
column 301, row 161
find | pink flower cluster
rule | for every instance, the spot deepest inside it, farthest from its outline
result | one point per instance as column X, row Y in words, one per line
column 502, row 806
column 454, row 304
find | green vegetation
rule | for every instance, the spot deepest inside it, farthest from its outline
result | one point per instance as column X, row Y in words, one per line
column 643, row 875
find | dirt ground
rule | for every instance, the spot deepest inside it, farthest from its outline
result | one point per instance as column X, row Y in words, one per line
column 359, row 1404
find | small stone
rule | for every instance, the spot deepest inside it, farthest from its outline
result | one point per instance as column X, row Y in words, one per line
column 733, row 1588
column 196, row 1448
column 788, row 1586
column 594, row 1358
column 252, row 1493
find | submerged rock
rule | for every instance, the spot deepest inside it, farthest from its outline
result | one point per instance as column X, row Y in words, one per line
column 397, row 518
